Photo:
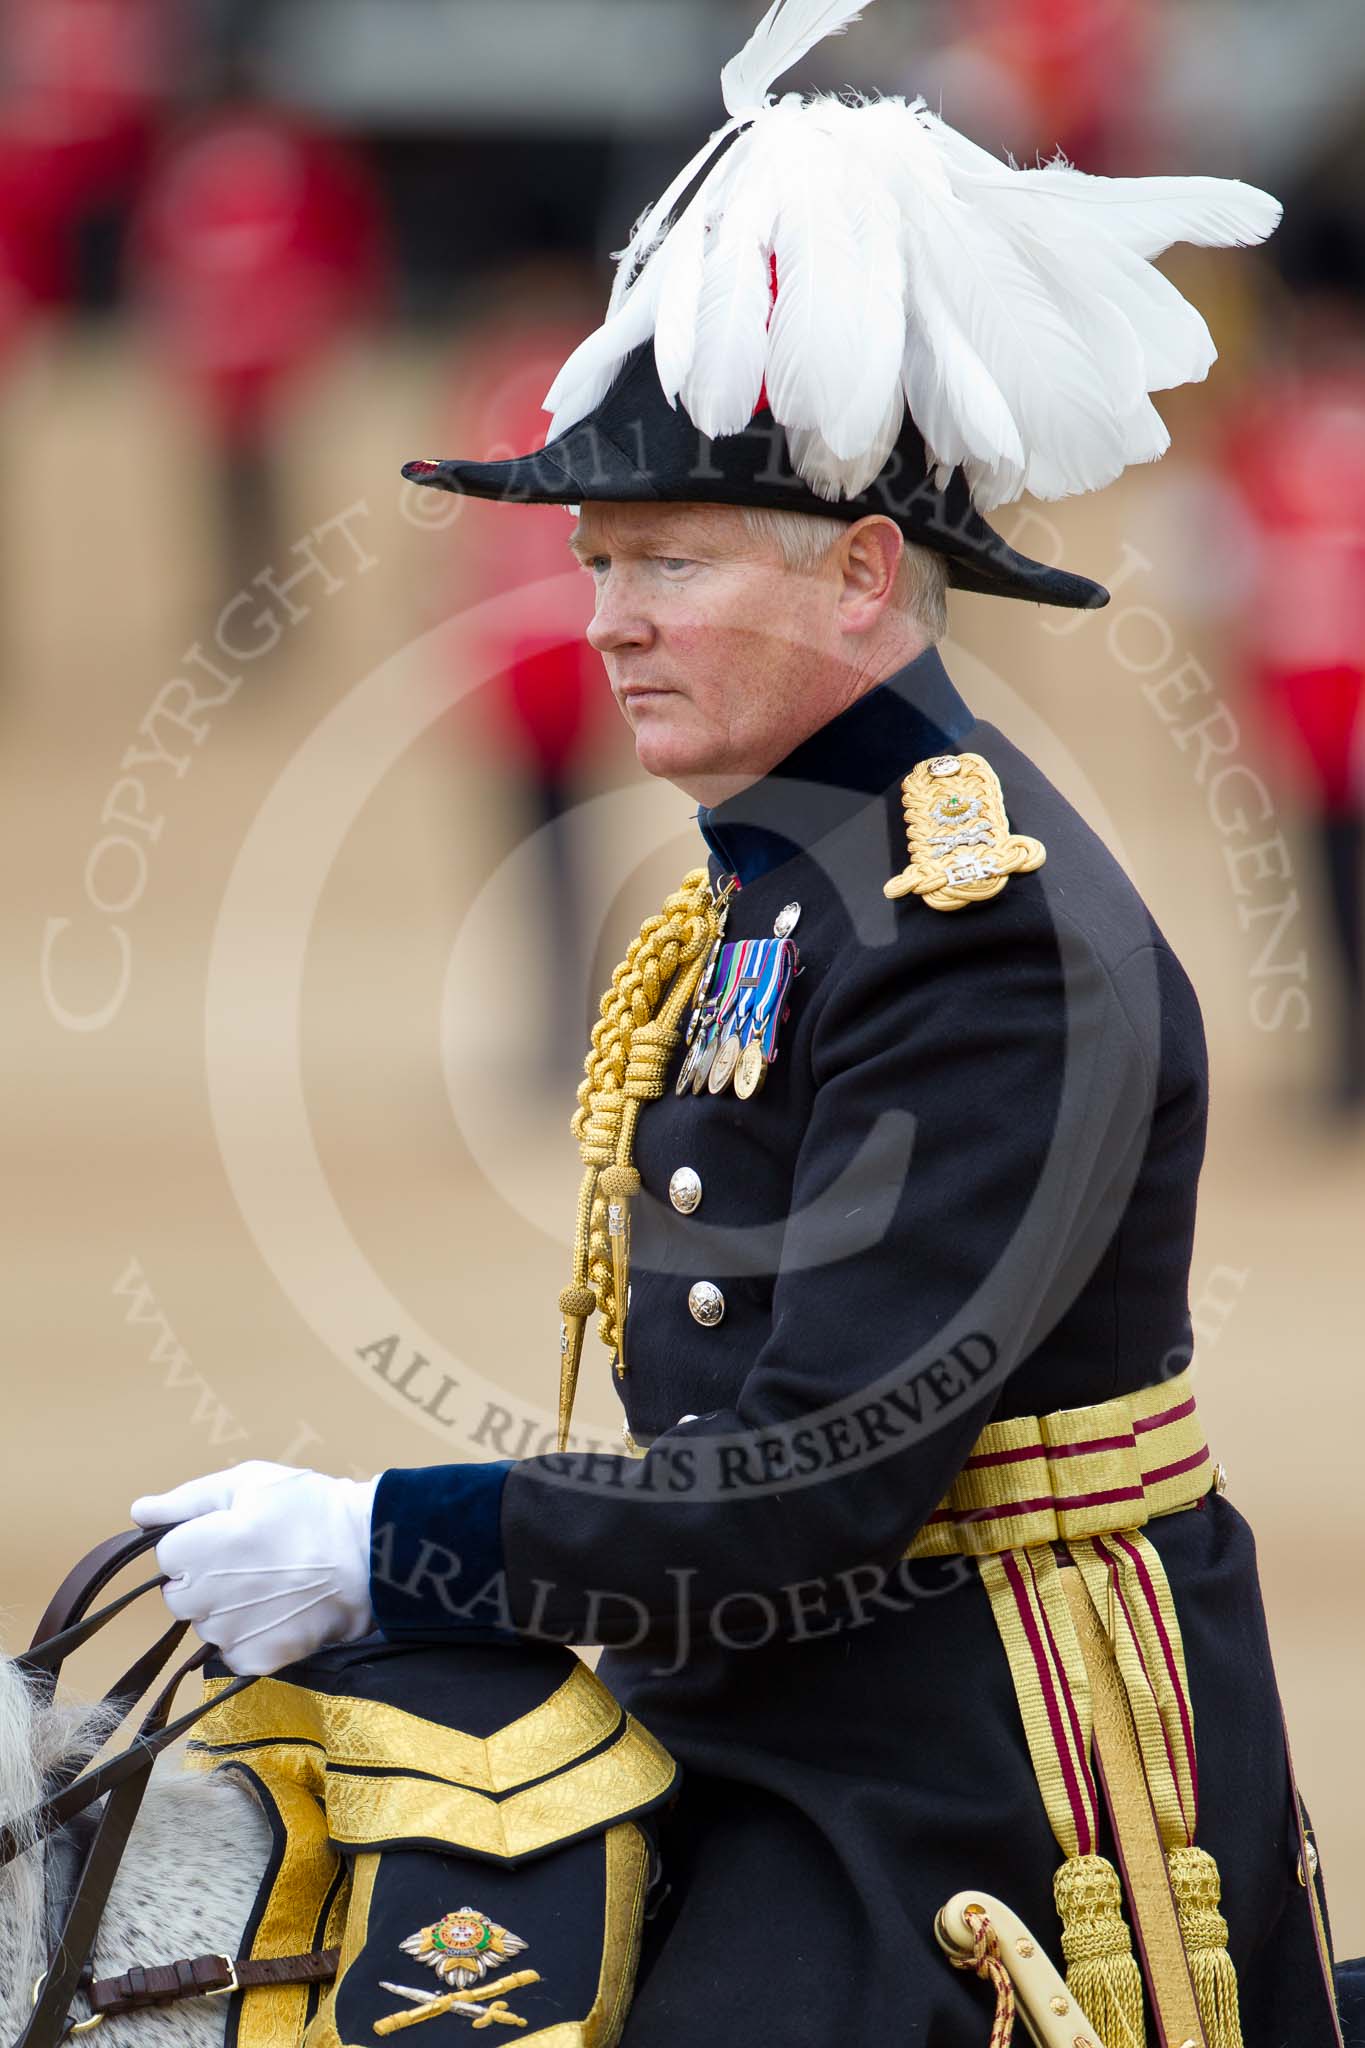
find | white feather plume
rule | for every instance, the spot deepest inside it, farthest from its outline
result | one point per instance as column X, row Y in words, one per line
column 787, row 31
column 819, row 347
column 725, row 377
column 591, row 370
column 1148, row 215
column 675, row 321
column 1014, row 312
column 782, row 38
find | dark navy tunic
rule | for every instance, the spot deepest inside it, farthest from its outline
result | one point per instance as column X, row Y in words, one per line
column 966, row 1192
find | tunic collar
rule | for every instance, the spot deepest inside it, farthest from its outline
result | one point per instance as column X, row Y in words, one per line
column 830, row 776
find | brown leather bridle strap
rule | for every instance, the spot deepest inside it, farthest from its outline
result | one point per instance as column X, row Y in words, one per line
column 124, row 1694
column 46, row 1657
column 123, row 1777
column 200, row 1976
column 84, row 1583
column 48, row 2020
column 136, row 1760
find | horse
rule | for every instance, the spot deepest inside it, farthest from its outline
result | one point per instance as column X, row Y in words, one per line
column 185, row 1886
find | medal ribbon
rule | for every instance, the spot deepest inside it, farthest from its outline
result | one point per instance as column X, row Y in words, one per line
column 729, row 970
column 700, row 1006
column 744, row 994
column 747, row 988
column 778, row 967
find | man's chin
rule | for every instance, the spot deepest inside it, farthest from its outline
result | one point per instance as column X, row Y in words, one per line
column 663, row 750
column 690, row 764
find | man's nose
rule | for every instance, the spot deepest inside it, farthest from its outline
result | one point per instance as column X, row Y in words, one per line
column 618, row 621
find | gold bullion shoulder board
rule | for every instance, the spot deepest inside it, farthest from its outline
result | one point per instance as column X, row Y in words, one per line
column 961, row 847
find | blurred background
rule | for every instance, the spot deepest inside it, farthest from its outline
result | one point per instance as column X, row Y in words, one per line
column 321, row 835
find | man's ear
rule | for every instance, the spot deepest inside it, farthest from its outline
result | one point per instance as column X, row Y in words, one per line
column 870, row 555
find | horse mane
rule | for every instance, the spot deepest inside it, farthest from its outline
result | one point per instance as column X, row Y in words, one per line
column 60, row 1732
column 37, row 1735
column 186, row 1881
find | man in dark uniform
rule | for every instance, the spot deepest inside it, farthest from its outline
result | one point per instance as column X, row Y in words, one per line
column 892, row 1129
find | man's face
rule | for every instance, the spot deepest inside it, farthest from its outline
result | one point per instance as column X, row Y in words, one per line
column 720, row 657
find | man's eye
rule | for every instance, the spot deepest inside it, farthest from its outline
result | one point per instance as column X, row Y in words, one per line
column 675, row 561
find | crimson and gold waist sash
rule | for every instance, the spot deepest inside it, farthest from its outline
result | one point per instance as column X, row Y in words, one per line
column 1077, row 1472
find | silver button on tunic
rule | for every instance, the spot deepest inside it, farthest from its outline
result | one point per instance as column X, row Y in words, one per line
column 706, row 1303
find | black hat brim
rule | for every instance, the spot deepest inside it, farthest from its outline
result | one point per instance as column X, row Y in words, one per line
column 636, row 448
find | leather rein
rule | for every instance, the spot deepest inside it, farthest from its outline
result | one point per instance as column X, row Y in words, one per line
column 67, row 1624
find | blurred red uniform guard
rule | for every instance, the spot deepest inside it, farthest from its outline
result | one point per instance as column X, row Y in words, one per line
column 1296, row 456
column 85, row 84
column 1077, row 68
column 260, row 243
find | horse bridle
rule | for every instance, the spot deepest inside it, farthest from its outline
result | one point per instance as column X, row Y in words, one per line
column 66, row 1625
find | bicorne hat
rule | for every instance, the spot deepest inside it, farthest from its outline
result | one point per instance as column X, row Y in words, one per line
column 842, row 306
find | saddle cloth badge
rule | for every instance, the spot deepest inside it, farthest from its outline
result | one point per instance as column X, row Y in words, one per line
column 485, row 1876
column 961, row 847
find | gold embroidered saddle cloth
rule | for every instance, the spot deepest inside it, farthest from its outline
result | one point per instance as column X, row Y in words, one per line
column 487, row 1844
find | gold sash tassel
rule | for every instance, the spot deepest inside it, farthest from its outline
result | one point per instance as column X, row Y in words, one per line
column 1198, row 1889
column 1029, row 1604
column 1101, row 1971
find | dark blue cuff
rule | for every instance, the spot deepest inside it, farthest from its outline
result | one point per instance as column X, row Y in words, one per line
column 436, row 1566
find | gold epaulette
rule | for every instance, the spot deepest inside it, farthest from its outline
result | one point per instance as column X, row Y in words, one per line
column 961, row 847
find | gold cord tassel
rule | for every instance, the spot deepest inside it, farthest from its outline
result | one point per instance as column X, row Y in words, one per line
column 576, row 1304
column 616, row 1186
column 1198, row 1889
column 1101, row 1972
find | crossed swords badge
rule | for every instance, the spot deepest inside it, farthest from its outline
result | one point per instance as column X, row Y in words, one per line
column 463, row 1948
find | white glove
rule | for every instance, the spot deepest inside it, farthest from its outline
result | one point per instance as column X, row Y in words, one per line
column 268, row 1563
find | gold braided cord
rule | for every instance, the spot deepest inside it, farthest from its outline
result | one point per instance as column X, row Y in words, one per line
column 633, row 1041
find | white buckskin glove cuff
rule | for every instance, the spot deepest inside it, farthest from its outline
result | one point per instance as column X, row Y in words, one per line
column 272, row 1564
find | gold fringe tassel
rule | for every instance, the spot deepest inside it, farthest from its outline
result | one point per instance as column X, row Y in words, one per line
column 1101, row 1970
column 1198, row 1889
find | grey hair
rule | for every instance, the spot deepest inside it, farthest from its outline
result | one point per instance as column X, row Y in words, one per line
column 803, row 539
